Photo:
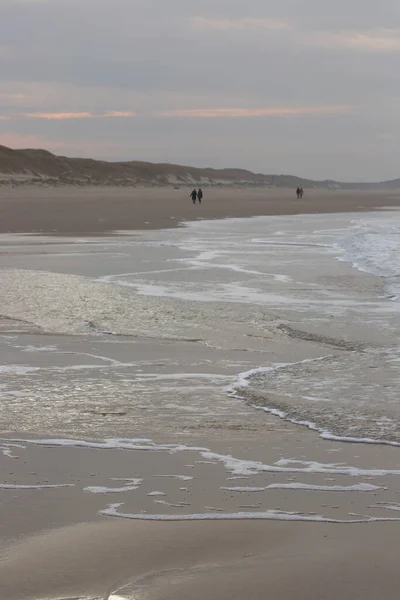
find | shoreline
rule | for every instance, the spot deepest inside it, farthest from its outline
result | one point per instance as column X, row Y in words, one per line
column 65, row 545
column 105, row 211
column 64, row 542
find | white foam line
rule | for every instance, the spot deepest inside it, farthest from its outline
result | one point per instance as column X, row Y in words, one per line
column 111, row 443
column 5, row 448
column 169, row 376
column 24, row 370
column 37, row 348
column 103, row 358
column 112, row 511
column 326, row 435
column 131, row 485
column 323, row 433
column 180, row 477
column 107, row 490
column 302, row 245
column 360, row 487
column 198, row 264
column 116, row 278
column 243, row 378
column 110, row 365
column 179, row 505
column 234, row 465
column 243, row 489
column 9, row 486
column 386, row 506
column 248, row 467
column 243, row 382
column 18, row 369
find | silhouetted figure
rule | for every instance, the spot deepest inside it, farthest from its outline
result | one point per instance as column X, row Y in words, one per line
column 193, row 196
column 200, row 195
column 298, row 193
column 301, row 192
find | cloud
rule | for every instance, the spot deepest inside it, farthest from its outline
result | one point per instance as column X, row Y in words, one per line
column 238, row 24
column 119, row 113
column 377, row 41
column 64, row 116
column 255, row 112
column 12, row 98
column 295, row 86
column 59, row 116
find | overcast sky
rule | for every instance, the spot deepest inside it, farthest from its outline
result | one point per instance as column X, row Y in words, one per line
column 306, row 87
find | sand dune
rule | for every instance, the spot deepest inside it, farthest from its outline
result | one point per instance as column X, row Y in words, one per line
column 40, row 167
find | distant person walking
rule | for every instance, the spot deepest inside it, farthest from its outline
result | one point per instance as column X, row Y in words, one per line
column 193, row 196
column 301, row 192
column 200, row 195
column 298, row 192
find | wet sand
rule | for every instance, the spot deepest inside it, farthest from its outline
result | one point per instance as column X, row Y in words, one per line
column 62, row 543
column 199, row 560
column 96, row 211
column 57, row 544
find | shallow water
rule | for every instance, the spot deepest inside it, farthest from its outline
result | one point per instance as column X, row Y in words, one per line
column 169, row 351
column 142, row 322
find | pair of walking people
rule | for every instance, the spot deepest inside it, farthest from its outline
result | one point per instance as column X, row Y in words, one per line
column 197, row 195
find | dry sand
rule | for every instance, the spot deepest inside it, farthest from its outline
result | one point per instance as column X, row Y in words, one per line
column 94, row 211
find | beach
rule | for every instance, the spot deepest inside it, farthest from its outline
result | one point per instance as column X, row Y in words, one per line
column 89, row 210
column 199, row 401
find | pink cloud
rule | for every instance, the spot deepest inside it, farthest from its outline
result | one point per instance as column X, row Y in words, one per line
column 255, row 112
column 119, row 113
column 60, row 116
column 64, row 116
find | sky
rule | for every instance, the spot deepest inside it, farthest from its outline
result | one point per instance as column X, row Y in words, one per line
column 303, row 87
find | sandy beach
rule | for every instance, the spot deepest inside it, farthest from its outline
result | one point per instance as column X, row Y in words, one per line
column 95, row 211
column 175, row 405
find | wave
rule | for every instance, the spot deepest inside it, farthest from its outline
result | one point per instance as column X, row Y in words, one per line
column 373, row 246
column 321, row 339
column 344, row 398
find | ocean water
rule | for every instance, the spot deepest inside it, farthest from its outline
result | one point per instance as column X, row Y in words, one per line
column 372, row 245
column 197, row 307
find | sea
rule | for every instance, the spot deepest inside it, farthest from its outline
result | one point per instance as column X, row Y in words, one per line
column 217, row 286
column 162, row 341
